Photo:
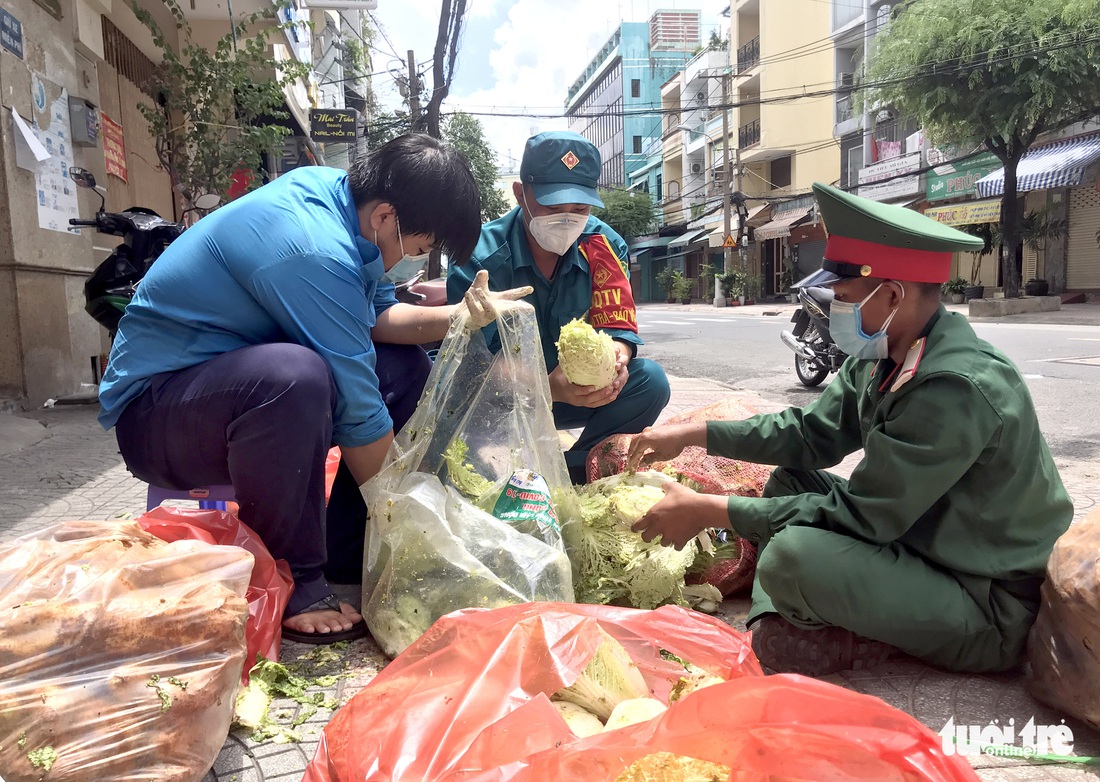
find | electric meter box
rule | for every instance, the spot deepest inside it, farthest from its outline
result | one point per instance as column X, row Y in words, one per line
column 84, row 121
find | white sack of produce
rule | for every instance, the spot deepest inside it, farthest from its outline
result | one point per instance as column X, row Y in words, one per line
column 466, row 511
column 120, row 654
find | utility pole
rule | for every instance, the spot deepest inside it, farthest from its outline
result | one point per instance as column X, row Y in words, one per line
column 727, row 256
column 414, row 92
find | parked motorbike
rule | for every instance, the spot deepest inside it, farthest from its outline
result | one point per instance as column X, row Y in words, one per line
column 815, row 353
column 145, row 235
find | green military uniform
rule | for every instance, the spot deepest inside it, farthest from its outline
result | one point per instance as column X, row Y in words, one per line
column 938, row 542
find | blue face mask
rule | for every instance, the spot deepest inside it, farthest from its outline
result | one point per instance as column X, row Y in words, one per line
column 406, row 268
column 846, row 326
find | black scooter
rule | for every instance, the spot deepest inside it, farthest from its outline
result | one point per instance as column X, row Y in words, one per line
column 815, row 353
column 145, row 235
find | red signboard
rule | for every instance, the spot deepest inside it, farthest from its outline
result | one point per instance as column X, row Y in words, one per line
column 114, row 149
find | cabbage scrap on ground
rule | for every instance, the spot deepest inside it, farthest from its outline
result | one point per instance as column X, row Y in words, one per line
column 586, row 356
column 616, row 566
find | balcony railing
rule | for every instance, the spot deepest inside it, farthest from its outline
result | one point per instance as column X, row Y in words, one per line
column 747, row 135
column 748, row 55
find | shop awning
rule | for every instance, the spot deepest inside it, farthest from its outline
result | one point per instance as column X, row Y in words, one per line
column 689, row 238
column 782, row 224
column 757, row 216
column 1061, row 164
column 649, row 244
column 718, row 235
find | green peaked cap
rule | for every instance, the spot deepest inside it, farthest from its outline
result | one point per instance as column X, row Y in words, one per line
column 869, row 239
column 848, row 215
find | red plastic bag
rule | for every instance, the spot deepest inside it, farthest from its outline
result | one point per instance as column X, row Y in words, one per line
column 332, row 464
column 469, row 701
column 271, row 583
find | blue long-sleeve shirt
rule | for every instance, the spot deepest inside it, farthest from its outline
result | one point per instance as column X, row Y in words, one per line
column 285, row 263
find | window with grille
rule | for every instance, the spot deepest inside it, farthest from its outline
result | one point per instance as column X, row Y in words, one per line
column 120, row 52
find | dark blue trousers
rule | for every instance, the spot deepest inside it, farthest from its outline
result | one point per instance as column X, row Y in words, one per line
column 639, row 403
column 260, row 418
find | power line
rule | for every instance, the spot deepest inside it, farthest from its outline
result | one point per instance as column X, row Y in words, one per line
column 885, row 82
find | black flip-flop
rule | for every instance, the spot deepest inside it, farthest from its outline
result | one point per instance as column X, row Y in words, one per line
column 331, row 603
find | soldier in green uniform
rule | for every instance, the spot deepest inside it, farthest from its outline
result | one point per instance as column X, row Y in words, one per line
column 936, row 545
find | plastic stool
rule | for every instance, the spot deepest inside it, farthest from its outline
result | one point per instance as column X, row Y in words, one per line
column 209, row 497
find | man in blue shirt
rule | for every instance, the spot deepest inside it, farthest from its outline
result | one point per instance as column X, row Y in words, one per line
column 269, row 332
column 578, row 267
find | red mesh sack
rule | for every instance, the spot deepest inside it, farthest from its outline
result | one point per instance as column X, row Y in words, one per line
column 269, row 587
column 709, row 474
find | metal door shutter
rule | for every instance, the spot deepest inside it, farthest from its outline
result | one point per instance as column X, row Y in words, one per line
column 810, row 255
column 1082, row 252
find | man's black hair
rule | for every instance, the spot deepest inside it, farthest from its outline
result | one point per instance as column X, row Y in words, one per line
column 429, row 184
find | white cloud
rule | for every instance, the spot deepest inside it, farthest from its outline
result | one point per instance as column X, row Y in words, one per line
column 535, row 53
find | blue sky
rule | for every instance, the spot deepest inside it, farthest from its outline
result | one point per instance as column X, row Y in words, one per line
column 517, row 56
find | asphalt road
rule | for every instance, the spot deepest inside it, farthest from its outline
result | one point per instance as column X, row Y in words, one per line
column 1061, row 365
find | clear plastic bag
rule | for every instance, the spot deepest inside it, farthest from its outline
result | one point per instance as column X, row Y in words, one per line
column 469, row 701
column 433, row 545
column 1064, row 643
column 119, row 653
column 269, row 588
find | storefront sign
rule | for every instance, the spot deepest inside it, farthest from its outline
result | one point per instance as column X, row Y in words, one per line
column 970, row 213
column 959, row 179
column 114, row 148
column 888, row 187
column 11, row 33
column 332, row 124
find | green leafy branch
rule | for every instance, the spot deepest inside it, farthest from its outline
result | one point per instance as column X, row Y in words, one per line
column 214, row 107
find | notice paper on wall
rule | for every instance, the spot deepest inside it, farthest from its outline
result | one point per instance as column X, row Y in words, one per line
column 54, row 191
column 29, row 151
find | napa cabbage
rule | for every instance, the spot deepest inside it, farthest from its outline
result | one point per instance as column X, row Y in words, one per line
column 587, row 357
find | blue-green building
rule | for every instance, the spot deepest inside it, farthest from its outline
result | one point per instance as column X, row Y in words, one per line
column 616, row 101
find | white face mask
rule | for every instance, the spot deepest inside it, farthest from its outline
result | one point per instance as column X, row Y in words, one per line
column 408, row 266
column 556, row 233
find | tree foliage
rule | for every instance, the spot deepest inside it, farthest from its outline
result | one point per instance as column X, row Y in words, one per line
column 465, row 133
column 998, row 72
column 215, row 107
column 628, row 212
column 468, row 136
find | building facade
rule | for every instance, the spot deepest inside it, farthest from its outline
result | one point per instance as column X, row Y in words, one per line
column 613, row 103
column 784, row 138
column 75, row 71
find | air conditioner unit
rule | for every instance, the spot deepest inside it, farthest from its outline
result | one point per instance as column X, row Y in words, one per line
column 697, row 168
column 701, row 97
column 845, row 80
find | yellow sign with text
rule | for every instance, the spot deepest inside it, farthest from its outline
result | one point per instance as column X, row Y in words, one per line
column 969, row 213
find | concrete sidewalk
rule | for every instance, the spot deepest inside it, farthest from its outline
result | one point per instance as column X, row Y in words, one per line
column 58, row 464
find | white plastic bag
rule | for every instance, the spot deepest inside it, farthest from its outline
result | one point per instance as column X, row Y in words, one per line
column 432, row 544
